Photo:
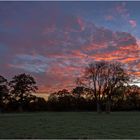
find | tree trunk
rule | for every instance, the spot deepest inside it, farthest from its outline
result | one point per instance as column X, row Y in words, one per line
column 20, row 108
column 1, row 107
column 108, row 106
column 98, row 105
column 0, row 110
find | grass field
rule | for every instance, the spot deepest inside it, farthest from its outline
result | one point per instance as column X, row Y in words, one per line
column 70, row 125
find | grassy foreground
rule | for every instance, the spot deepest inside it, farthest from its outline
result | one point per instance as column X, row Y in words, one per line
column 70, row 125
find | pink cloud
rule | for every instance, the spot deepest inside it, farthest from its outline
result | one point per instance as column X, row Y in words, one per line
column 81, row 23
column 122, row 10
column 57, row 59
column 133, row 23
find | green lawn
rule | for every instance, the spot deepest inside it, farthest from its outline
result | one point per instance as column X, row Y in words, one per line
column 70, row 125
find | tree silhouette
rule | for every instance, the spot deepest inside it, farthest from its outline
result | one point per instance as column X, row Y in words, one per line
column 61, row 100
column 118, row 98
column 103, row 78
column 133, row 96
column 22, row 86
column 116, row 77
column 78, row 91
column 3, row 90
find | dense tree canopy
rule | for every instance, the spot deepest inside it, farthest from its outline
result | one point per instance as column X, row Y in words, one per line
column 3, row 90
column 104, row 86
column 22, row 86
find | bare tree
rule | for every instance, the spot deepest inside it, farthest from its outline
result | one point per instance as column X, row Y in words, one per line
column 103, row 78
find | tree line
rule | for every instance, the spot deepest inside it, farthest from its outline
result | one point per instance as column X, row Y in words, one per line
column 104, row 86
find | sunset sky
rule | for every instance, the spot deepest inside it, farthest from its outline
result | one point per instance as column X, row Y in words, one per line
column 54, row 41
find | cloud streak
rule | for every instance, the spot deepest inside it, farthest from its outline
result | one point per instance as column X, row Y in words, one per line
column 56, row 49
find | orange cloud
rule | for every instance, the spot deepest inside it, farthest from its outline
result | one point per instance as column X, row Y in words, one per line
column 61, row 54
column 127, row 60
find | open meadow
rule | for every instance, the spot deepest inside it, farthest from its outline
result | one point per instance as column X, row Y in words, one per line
column 70, row 125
